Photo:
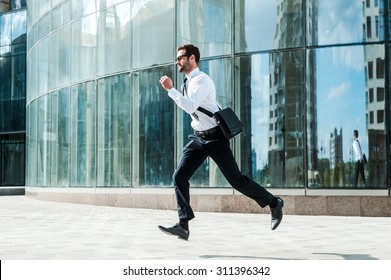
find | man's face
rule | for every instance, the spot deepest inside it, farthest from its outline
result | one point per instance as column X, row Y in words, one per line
column 183, row 61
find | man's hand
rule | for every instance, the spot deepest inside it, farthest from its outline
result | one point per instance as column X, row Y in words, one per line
column 166, row 82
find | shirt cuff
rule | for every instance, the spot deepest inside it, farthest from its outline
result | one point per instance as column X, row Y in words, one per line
column 173, row 93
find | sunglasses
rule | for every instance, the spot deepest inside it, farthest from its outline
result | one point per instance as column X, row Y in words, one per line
column 182, row 56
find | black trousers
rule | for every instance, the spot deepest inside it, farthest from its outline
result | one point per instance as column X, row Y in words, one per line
column 194, row 154
column 359, row 170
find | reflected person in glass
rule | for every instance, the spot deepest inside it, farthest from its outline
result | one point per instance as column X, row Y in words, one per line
column 198, row 90
column 359, row 165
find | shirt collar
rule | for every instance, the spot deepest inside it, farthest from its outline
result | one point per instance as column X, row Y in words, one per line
column 193, row 73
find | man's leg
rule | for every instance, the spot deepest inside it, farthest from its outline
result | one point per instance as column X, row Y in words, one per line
column 356, row 173
column 191, row 159
column 221, row 153
column 362, row 172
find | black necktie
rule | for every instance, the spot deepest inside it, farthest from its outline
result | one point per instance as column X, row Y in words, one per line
column 184, row 89
column 184, row 93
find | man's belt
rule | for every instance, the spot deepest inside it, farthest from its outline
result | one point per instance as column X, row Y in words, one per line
column 206, row 133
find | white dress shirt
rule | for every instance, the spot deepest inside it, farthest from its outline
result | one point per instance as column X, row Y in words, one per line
column 357, row 150
column 200, row 91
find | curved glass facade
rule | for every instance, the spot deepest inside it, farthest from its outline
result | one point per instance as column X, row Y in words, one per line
column 301, row 74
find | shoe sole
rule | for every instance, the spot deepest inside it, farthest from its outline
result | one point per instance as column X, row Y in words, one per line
column 171, row 234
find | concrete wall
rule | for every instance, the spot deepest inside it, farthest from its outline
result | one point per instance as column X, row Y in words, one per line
column 373, row 203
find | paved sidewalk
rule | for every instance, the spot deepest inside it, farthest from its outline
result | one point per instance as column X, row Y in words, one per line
column 32, row 229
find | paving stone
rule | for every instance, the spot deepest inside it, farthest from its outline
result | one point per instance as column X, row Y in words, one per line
column 34, row 229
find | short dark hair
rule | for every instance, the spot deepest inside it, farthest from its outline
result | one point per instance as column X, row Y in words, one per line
column 355, row 132
column 191, row 50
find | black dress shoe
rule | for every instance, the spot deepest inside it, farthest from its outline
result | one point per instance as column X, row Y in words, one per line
column 176, row 230
column 276, row 213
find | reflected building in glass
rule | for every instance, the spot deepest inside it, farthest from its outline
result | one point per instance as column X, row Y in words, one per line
column 375, row 74
column 336, row 157
column 287, row 97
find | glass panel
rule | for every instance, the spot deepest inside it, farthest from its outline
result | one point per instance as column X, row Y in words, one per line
column 83, row 7
column 270, row 24
column 55, row 2
column 18, row 77
column 83, row 123
column 114, row 39
column 44, row 25
column 60, row 57
column 347, row 106
column 208, row 175
column 45, row 138
column 152, row 129
column 19, row 25
column 33, row 36
column 113, row 164
column 17, row 4
column 12, row 113
column 67, row 11
column 83, row 48
column 376, row 131
column 270, row 94
column 32, row 74
column 54, row 146
column 152, row 32
column 5, row 74
column 5, row 123
column 5, row 29
column 212, row 30
column 42, row 6
column 43, row 71
column 12, row 160
column 32, row 142
column 32, row 14
column 252, row 18
column 57, row 17
column 60, row 150
column 107, row 3
column 338, row 21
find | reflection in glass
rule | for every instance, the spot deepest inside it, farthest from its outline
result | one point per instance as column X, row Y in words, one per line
column 114, row 39
column 346, row 87
column 60, row 150
column 272, row 102
column 152, row 32
column 83, row 124
column 43, row 66
column 113, row 161
column 44, row 26
column 5, row 74
column 254, row 17
column 375, row 106
column 5, row 29
column 60, row 57
column 207, row 24
column 31, row 145
column 335, row 22
column 82, row 7
column 12, row 160
column 83, row 48
column 152, row 129
column 19, row 27
column 45, row 139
